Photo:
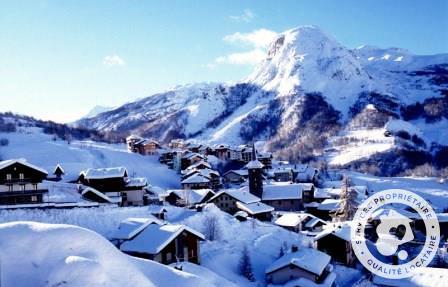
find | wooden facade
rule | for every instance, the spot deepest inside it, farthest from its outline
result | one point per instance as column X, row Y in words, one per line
column 184, row 247
column 21, row 183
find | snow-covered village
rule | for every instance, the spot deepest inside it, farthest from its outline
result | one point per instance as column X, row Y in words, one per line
column 285, row 154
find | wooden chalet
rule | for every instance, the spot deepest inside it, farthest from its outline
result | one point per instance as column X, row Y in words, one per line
column 236, row 176
column 306, row 266
column 196, row 181
column 21, row 182
column 297, row 222
column 130, row 142
column 115, row 183
column 235, row 200
column 182, row 197
column 150, row 238
column 285, row 196
column 190, row 158
column 222, row 152
column 147, row 147
column 335, row 241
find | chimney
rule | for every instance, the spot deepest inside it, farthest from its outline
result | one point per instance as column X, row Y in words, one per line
column 294, row 248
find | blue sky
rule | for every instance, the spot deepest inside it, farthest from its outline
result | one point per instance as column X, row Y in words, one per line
column 58, row 59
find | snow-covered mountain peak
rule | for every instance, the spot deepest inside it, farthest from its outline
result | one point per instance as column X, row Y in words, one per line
column 305, row 59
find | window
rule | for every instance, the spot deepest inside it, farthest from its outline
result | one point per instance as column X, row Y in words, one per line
column 8, row 176
column 21, row 176
column 10, row 188
column 34, row 198
column 35, row 186
column 22, row 187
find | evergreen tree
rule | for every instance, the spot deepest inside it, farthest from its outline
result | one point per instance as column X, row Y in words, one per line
column 246, row 266
column 348, row 205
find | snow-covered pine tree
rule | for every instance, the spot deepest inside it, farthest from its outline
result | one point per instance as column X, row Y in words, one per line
column 245, row 266
column 348, row 205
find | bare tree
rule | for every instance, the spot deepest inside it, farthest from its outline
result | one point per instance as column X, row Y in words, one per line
column 212, row 230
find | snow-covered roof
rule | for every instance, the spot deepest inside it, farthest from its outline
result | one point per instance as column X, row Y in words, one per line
column 282, row 190
column 421, row 277
column 133, row 137
column 195, row 165
column 241, row 195
column 204, row 172
column 254, row 208
column 291, row 219
column 97, row 193
column 340, row 230
column 130, row 227
column 196, row 178
column 313, row 221
column 193, row 154
column 327, row 192
column 329, row 204
column 9, row 162
column 254, row 164
column 111, row 172
column 58, row 166
column 191, row 196
column 155, row 237
column 305, row 172
column 308, row 259
column 240, row 172
column 321, row 193
column 136, row 182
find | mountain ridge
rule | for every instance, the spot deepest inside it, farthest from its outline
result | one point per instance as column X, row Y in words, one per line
column 309, row 89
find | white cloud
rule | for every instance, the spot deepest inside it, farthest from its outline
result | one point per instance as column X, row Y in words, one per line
column 113, row 60
column 247, row 16
column 260, row 38
column 257, row 41
column 244, row 58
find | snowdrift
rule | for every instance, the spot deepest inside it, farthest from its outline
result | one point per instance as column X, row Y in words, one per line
column 38, row 254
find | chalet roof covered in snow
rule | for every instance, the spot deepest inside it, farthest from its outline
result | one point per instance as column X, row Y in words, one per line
column 340, row 230
column 305, row 172
column 239, row 172
column 199, row 163
column 254, row 208
column 9, row 162
column 327, row 192
column 242, row 195
column 100, row 173
column 192, row 155
column 291, row 219
column 196, row 178
column 155, row 237
column 282, row 190
column 130, row 227
column 308, row 259
column 191, row 196
column 208, row 173
column 99, row 194
column 329, row 204
column 133, row 137
column 58, row 167
column 136, row 182
column 253, row 164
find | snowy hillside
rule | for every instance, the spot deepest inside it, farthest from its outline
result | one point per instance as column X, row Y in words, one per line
column 308, row 89
column 40, row 253
column 46, row 151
